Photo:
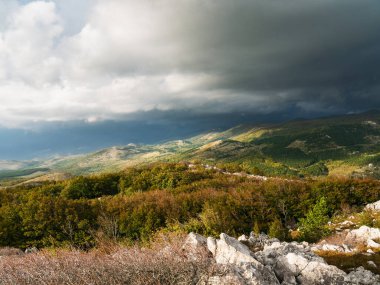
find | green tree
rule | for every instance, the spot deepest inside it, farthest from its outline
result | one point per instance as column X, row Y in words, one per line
column 256, row 228
column 313, row 226
column 277, row 230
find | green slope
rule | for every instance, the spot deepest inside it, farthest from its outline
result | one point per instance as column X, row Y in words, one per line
column 341, row 145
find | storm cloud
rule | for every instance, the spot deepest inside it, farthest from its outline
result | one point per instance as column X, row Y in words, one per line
column 106, row 60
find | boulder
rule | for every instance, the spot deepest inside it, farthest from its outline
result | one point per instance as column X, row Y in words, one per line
column 275, row 263
column 363, row 234
column 194, row 240
column 308, row 270
column 371, row 264
column 360, row 276
column 346, row 224
column 370, row 251
column 243, row 238
column 244, row 266
column 31, row 250
column 372, row 244
column 332, row 248
column 294, row 263
column 195, row 245
column 228, row 250
column 373, row 206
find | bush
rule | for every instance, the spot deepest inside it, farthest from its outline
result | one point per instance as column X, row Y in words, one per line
column 313, row 226
column 277, row 230
column 115, row 265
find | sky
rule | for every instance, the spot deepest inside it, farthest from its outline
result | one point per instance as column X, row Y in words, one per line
column 80, row 75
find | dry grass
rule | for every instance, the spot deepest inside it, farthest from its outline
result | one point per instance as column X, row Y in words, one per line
column 9, row 251
column 348, row 261
column 337, row 238
column 163, row 264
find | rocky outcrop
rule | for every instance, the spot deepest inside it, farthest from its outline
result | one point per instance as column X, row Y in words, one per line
column 362, row 276
column 241, row 261
column 363, row 233
column 352, row 241
column 373, row 207
column 258, row 259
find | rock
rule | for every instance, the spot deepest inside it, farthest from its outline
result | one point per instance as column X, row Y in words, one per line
column 346, row 224
column 31, row 250
column 363, row 234
column 273, row 245
column 246, row 274
column 195, row 245
column 372, row 244
column 211, row 245
column 372, row 264
column 309, row 270
column 370, row 251
column 276, row 263
column 293, row 264
column 332, row 247
column 347, row 248
column 194, row 240
column 373, row 206
column 362, row 277
column 258, row 242
column 229, row 251
column 226, row 279
column 243, row 238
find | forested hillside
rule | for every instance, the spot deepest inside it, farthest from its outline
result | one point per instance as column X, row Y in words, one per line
column 134, row 204
column 347, row 146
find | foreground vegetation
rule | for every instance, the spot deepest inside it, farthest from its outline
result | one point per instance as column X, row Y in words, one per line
column 109, row 264
column 133, row 205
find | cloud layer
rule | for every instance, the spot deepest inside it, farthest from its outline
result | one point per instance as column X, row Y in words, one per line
column 101, row 60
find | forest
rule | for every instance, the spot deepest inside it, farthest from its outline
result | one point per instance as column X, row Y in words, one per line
column 133, row 205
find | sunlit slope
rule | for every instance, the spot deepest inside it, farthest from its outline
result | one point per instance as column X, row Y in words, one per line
column 344, row 145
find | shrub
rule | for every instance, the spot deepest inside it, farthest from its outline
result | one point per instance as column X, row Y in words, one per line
column 313, row 226
column 277, row 230
column 115, row 265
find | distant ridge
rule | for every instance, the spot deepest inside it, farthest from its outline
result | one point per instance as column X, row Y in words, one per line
column 342, row 145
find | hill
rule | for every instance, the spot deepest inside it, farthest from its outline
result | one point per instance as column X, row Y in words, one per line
column 346, row 145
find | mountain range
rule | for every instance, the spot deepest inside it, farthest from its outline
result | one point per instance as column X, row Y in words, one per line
column 347, row 145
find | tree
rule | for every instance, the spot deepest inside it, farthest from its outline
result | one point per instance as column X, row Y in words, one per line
column 277, row 230
column 256, row 228
column 313, row 226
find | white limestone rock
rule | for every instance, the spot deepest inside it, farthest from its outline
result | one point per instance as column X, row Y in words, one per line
column 243, row 238
column 229, row 250
column 363, row 234
column 195, row 245
column 194, row 240
column 360, row 276
column 372, row 244
column 373, row 206
column 277, row 263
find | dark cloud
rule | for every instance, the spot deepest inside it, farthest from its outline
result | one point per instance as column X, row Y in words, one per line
column 63, row 138
column 184, row 66
column 322, row 54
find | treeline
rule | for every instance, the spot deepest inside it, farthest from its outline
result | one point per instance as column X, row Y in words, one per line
column 134, row 204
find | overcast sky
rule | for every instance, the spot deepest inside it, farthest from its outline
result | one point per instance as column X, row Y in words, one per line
column 120, row 60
